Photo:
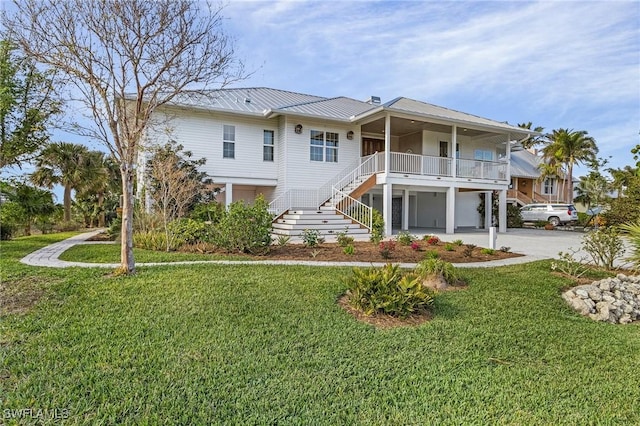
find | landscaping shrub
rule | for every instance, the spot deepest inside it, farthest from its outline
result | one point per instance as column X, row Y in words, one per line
column 282, row 240
column 70, row 225
column 604, row 246
column 211, row 212
column 468, row 250
column 457, row 242
column 377, row 227
column 432, row 240
column 245, row 228
column 155, row 240
column 567, row 264
column 449, row 247
column 386, row 248
column 343, row 239
column 488, row 251
column 434, row 267
column 415, row 246
column 431, row 254
column 311, row 238
column 404, row 238
column 189, row 230
column 349, row 250
column 388, row 291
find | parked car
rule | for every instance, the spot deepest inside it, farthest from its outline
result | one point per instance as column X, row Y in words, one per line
column 555, row 214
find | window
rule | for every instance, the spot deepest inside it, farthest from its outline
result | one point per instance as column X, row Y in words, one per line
column 482, row 154
column 324, row 146
column 267, row 147
column 229, row 141
column 549, row 186
column 332, row 147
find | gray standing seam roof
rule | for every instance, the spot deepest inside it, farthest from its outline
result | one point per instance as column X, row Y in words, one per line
column 262, row 100
column 525, row 164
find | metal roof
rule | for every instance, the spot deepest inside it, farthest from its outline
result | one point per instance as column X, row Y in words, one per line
column 267, row 102
column 412, row 106
column 525, row 164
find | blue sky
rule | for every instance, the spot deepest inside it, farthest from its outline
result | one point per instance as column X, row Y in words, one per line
column 558, row 64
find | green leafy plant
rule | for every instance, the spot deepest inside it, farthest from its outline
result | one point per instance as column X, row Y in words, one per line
column 283, row 240
column 386, row 248
column 311, row 238
column 155, row 240
column 457, row 242
column 343, row 239
column 189, row 230
column 431, row 254
column 449, row 247
column 404, row 238
column 377, row 227
column 569, row 265
column 314, row 253
column 488, row 251
column 431, row 267
column 245, row 228
column 349, row 250
column 468, row 250
column 604, row 246
column 388, row 291
column 633, row 230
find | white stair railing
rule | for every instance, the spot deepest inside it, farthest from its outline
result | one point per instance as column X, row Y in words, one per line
column 298, row 197
column 353, row 209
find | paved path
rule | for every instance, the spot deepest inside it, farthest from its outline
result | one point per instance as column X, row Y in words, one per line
column 533, row 244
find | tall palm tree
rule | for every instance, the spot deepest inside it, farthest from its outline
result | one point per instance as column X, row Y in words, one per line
column 65, row 164
column 570, row 147
column 532, row 141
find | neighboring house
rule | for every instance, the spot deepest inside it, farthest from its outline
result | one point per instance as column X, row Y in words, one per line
column 527, row 184
column 421, row 165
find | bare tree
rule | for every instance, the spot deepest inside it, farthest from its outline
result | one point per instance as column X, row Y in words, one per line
column 126, row 58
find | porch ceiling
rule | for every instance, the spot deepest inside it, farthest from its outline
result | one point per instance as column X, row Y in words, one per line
column 403, row 126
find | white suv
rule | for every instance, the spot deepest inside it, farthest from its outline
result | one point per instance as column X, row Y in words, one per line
column 555, row 214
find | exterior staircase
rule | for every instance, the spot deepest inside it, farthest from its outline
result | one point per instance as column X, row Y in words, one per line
column 326, row 220
column 336, row 208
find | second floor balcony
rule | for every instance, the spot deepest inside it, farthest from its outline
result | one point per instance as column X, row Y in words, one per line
column 426, row 165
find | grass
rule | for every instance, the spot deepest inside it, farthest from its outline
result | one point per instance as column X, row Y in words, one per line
column 207, row 344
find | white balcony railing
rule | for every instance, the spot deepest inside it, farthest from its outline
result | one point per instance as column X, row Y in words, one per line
column 427, row 165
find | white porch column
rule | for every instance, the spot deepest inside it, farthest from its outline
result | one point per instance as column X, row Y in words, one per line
column 387, row 201
column 387, row 144
column 488, row 210
column 502, row 211
column 508, row 157
column 228, row 194
column 454, row 146
column 405, row 210
column 450, row 224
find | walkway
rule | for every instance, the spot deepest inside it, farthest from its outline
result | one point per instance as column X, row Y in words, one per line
column 533, row 244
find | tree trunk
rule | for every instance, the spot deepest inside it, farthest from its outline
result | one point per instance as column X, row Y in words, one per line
column 101, row 214
column 127, row 262
column 570, row 184
column 67, row 203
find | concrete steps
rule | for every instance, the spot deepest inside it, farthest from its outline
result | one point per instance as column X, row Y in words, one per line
column 326, row 220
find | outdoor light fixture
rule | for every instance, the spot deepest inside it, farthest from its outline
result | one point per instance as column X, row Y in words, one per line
column 350, row 134
column 298, row 128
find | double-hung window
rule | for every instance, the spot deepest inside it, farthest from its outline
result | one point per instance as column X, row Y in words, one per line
column 267, row 147
column 549, row 186
column 324, row 146
column 483, row 154
column 229, row 141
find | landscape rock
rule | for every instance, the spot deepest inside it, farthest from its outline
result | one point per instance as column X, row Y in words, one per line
column 615, row 300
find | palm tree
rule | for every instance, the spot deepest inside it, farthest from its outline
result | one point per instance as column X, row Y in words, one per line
column 105, row 181
column 63, row 164
column 569, row 147
column 622, row 177
column 532, row 141
column 33, row 202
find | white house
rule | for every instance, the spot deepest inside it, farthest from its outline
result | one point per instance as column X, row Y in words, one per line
column 419, row 164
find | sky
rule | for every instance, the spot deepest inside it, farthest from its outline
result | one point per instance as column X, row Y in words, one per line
column 557, row 64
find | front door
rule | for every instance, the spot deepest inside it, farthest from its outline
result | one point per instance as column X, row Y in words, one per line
column 396, row 212
column 371, row 146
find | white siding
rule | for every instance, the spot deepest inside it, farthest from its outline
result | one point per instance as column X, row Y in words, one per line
column 300, row 171
column 201, row 133
column 431, row 209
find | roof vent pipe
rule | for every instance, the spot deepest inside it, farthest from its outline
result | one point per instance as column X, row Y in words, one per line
column 374, row 100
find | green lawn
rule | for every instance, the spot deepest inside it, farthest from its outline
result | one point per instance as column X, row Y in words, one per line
column 242, row 344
